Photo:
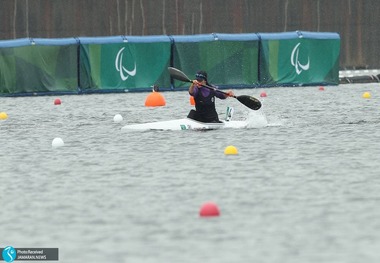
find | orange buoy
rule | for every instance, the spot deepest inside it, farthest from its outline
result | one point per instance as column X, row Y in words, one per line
column 155, row 99
column 192, row 101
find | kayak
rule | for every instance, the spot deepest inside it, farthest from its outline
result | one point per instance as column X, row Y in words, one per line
column 186, row 124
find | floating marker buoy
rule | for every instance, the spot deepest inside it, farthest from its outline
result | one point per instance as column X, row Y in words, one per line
column 3, row 116
column 366, row 95
column 263, row 94
column 230, row 150
column 118, row 118
column 57, row 102
column 192, row 101
column 155, row 99
column 321, row 88
column 57, row 142
column 209, row 209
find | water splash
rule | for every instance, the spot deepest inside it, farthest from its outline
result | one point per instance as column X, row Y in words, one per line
column 257, row 119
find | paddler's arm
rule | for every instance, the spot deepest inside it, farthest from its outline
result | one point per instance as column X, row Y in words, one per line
column 193, row 90
column 225, row 95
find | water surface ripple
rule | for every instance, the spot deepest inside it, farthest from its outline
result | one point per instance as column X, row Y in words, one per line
column 305, row 186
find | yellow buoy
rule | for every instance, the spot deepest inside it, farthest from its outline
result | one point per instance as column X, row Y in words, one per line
column 366, row 95
column 230, row 150
column 155, row 99
column 3, row 116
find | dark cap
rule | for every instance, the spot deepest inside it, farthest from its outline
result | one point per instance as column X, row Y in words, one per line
column 201, row 75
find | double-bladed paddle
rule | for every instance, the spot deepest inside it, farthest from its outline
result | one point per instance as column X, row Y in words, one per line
column 250, row 102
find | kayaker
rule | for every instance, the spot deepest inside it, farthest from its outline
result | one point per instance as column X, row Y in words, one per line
column 205, row 99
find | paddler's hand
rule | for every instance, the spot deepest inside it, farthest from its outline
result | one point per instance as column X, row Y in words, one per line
column 197, row 83
column 230, row 93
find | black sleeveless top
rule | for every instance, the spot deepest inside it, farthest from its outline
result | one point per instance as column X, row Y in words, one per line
column 205, row 107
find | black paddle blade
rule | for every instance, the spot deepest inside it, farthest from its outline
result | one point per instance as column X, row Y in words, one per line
column 249, row 101
column 179, row 75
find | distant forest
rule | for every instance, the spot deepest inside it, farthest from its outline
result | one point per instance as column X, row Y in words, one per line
column 355, row 20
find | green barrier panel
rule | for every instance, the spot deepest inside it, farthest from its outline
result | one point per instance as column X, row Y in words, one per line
column 294, row 60
column 134, row 63
column 38, row 69
column 124, row 66
column 230, row 60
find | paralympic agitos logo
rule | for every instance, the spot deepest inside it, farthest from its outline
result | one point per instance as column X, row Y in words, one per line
column 295, row 60
column 124, row 72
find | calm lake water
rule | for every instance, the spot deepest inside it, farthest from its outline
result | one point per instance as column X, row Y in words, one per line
column 305, row 186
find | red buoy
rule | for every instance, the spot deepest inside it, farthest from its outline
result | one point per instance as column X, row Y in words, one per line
column 57, row 102
column 263, row 94
column 209, row 209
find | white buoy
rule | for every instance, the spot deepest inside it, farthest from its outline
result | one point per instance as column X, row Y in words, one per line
column 118, row 118
column 57, row 142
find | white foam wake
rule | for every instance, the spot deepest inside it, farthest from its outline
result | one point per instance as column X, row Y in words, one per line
column 257, row 119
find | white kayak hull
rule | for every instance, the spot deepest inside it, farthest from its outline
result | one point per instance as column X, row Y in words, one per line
column 186, row 124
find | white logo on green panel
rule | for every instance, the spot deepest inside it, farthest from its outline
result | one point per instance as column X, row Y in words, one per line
column 295, row 60
column 124, row 73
